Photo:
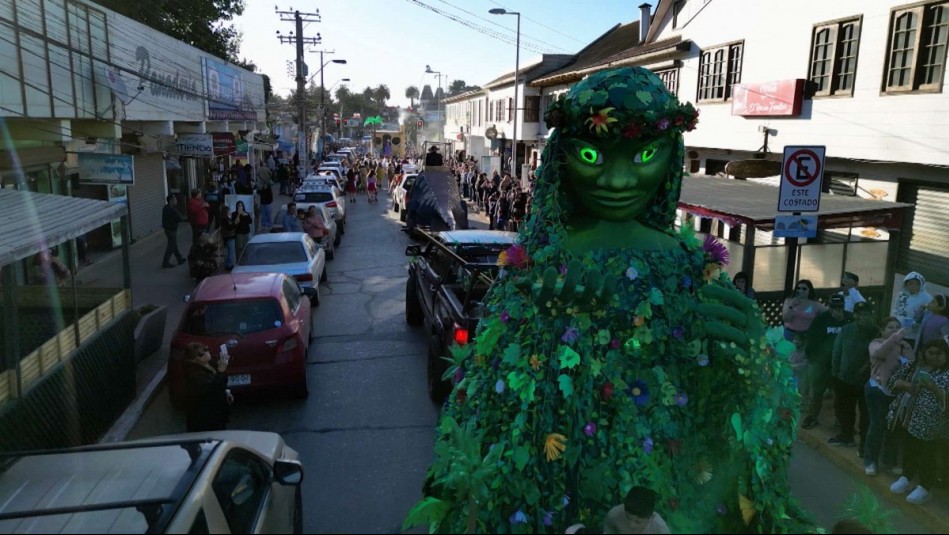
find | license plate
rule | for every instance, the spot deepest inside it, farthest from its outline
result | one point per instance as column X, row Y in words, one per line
column 238, row 380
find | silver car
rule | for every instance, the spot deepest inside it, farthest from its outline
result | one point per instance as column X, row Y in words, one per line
column 293, row 253
column 315, row 190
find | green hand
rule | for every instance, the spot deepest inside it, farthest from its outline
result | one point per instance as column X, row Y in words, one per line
column 570, row 291
column 730, row 318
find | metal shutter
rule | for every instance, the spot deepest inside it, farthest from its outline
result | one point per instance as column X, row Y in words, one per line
column 925, row 244
column 147, row 196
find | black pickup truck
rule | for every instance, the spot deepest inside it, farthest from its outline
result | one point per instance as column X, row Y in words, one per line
column 449, row 274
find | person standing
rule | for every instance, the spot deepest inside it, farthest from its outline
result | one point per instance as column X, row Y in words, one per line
column 169, row 223
column 228, row 236
column 886, row 355
column 265, row 190
column 242, row 224
column 800, row 309
column 207, row 398
column 271, row 163
column 291, row 222
column 637, row 514
column 819, row 348
column 848, row 285
column 197, row 215
column 741, row 282
column 911, row 304
column 934, row 324
column 283, row 177
column 850, row 366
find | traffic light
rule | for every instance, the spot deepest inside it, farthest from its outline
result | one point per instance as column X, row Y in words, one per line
column 418, row 123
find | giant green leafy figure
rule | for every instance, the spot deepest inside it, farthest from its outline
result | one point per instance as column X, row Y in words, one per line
column 614, row 352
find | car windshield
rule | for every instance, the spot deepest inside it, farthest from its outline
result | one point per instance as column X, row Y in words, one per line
column 313, row 196
column 273, row 253
column 230, row 317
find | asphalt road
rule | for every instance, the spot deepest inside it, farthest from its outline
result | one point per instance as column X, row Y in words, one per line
column 366, row 432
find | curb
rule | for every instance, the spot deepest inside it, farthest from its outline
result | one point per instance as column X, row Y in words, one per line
column 124, row 424
column 934, row 515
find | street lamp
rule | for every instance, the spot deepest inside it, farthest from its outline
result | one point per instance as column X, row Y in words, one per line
column 428, row 70
column 323, row 98
column 517, row 67
column 330, row 91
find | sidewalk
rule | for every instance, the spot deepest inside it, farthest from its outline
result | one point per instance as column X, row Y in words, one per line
column 934, row 515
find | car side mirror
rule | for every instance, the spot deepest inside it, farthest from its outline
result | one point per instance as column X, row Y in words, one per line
column 413, row 250
column 288, row 472
column 309, row 291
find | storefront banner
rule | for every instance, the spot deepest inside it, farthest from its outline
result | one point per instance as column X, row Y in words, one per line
column 106, row 168
column 223, row 143
column 227, row 99
column 195, row 145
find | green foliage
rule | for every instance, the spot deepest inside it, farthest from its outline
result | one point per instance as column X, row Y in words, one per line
column 865, row 508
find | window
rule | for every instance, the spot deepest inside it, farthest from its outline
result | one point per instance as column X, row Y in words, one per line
column 490, row 114
column 833, row 60
column 531, row 109
column 719, row 70
column 916, row 55
column 677, row 12
column 292, row 293
column 510, row 109
column 670, row 77
column 241, row 485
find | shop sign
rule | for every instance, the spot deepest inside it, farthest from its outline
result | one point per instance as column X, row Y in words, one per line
column 769, row 99
column 226, row 97
column 223, row 143
column 195, row 145
column 106, row 168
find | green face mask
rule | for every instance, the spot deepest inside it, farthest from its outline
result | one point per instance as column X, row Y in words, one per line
column 616, row 180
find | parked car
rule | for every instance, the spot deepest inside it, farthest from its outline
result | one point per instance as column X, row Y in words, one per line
column 444, row 291
column 292, row 253
column 317, row 191
column 401, row 193
column 263, row 319
column 329, row 242
column 219, row 482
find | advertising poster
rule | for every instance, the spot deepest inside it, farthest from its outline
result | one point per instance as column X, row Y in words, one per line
column 227, row 99
column 231, row 201
column 118, row 194
column 97, row 168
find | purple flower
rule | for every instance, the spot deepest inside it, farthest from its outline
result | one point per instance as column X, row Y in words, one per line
column 721, row 509
column 566, row 500
column 678, row 332
column 640, row 392
column 663, row 124
column 589, row 429
column 518, row 518
column 682, row 399
column 632, row 273
column 715, row 250
column 505, row 316
column 702, row 359
column 615, row 343
column 499, row 386
column 459, row 374
column 687, row 282
column 495, row 363
column 548, row 518
column 570, row 335
column 563, row 269
column 648, row 445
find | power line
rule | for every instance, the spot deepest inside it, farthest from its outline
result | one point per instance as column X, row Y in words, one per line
column 478, row 28
column 495, row 23
column 545, row 26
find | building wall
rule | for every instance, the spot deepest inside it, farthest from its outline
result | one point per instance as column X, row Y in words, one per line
column 869, row 125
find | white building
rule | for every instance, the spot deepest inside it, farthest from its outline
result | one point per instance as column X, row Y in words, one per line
column 76, row 79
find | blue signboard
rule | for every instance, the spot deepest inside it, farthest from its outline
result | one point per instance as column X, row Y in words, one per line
column 95, row 168
column 795, row 226
column 226, row 97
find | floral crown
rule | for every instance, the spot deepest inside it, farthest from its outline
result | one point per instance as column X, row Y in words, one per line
column 631, row 102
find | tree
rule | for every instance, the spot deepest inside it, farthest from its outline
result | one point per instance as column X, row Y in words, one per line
column 381, row 94
column 200, row 23
column 457, row 87
column 411, row 93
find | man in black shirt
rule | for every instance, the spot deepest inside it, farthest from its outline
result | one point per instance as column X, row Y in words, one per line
column 169, row 221
column 819, row 347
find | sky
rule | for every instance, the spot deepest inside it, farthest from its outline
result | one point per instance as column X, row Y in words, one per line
column 391, row 41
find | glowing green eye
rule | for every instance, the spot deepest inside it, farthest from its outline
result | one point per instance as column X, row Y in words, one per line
column 591, row 156
column 646, row 154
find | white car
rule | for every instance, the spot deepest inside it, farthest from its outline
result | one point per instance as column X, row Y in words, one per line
column 400, row 192
column 293, row 253
column 315, row 190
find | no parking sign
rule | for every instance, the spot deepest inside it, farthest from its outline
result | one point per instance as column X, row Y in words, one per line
column 802, row 173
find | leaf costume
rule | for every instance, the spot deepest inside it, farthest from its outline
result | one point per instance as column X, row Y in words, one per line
column 610, row 359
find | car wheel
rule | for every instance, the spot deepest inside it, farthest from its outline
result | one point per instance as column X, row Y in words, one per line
column 339, row 238
column 413, row 309
column 323, row 275
column 298, row 512
column 402, row 216
column 438, row 389
column 342, row 227
column 315, row 300
column 302, row 390
column 331, row 254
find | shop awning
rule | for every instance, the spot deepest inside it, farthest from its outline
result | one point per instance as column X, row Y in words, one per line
column 751, row 203
column 31, row 222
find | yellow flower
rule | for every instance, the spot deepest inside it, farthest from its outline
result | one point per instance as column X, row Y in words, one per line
column 747, row 507
column 600, row 122
column 703, row 472
column 535, row 362
column 554, row 446
column 502, row 258
column 638, row 321
column 711, row 271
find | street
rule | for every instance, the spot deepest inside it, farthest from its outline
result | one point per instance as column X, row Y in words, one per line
column 366, row 432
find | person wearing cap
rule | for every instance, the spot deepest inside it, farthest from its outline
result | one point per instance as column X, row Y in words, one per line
column 910, row 305
column 848, row 289
column 850, row 368
column 818, row 348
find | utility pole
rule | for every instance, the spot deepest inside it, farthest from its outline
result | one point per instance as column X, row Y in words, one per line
column 299, row 18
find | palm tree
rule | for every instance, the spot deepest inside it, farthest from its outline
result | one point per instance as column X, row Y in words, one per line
column 381, row 95
column 411, row 93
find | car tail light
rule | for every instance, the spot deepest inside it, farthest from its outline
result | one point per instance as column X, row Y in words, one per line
column 461, row 335
column 331, row 204
column 303, row 278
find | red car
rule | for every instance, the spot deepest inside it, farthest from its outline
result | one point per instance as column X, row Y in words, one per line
column 263, row 319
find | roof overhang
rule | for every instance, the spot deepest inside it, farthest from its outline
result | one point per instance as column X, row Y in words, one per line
column 32, row 222
column 751, row 203
column 652, row 53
